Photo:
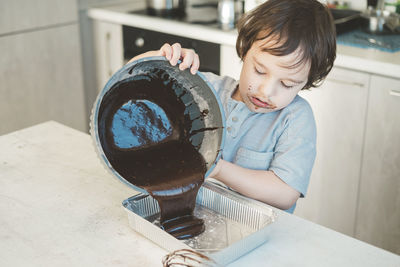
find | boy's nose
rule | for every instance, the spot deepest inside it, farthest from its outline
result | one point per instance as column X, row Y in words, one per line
column 266, row 89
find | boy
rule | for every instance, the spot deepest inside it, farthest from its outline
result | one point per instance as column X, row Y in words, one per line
column 285, row 46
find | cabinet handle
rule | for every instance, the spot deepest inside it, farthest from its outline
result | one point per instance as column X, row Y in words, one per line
column 394, row 93
column 346, row 82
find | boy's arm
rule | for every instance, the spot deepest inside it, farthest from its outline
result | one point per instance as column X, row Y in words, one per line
column 261, row 185
column 174, row 53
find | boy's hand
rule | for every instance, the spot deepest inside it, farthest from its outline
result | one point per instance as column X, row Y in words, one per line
column 173, row 53
column 188, row 56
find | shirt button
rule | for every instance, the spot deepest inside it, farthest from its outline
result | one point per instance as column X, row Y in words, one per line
column 229, row 129
column 235, row 119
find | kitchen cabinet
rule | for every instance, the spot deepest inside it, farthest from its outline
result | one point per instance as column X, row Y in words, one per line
column 23, row 15
column 41, row 79
column 339, row 107
column 40, row 70
column 378, row 214
column 109, row 50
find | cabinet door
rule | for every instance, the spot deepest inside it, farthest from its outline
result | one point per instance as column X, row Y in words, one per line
column 339, row 107
column 23, row 15
column 109, row 50
column 41, row 79
column 231, row 65
column 378, row 216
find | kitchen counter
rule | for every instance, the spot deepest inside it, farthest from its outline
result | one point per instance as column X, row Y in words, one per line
column 60, row 207
column 366, row 60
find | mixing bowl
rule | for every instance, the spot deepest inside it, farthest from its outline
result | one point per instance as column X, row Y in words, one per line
column 179, row 104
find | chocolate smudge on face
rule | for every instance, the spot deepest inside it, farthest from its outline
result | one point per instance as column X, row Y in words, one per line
column 146, row 132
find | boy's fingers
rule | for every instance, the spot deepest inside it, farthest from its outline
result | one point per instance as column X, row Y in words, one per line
column 166, row 51
column 176, row 53
column 195, row 64
column 188, row 56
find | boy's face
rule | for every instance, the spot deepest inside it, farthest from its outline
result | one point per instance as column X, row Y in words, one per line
column 267, row 82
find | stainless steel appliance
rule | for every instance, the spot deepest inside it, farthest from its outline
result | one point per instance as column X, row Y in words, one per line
column 222, row 14
column 166, row 7
column 195, row 13
column 226, row 13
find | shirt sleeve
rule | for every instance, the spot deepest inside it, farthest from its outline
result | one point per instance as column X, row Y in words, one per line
column 295, row 150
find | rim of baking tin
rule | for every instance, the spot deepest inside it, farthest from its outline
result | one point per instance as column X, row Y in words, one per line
column 93, row 127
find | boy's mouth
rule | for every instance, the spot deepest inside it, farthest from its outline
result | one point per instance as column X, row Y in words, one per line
column 259, row 103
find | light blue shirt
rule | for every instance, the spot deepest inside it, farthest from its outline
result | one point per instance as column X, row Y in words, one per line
column 282, row 141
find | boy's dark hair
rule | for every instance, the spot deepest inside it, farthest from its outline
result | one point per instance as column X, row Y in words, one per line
column 307, row 24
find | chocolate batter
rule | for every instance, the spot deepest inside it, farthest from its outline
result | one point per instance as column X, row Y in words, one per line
column 146, row 132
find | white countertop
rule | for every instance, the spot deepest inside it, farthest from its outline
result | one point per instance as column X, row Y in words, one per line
column 366, row 60
column 60, row 207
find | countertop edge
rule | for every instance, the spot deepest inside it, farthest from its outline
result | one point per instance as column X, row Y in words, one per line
column 368, row 65
column 366, row 60
column 198, row 32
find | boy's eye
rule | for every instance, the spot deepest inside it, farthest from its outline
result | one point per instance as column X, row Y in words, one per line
column 258, row 71
column 287, row 86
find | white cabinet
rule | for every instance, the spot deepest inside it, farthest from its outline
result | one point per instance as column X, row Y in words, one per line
column 109, row 50
column 355, row 183
column 41, row 79
column 23, row 15
column 339, row 107
column 378, row 216
column 40, row 67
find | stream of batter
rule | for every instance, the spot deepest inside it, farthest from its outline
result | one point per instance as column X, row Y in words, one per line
column 146, row 130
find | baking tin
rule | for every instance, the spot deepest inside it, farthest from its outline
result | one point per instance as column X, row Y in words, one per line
column 234, row 224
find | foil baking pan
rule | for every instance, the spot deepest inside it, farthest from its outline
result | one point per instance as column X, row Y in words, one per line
column 234, row 225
